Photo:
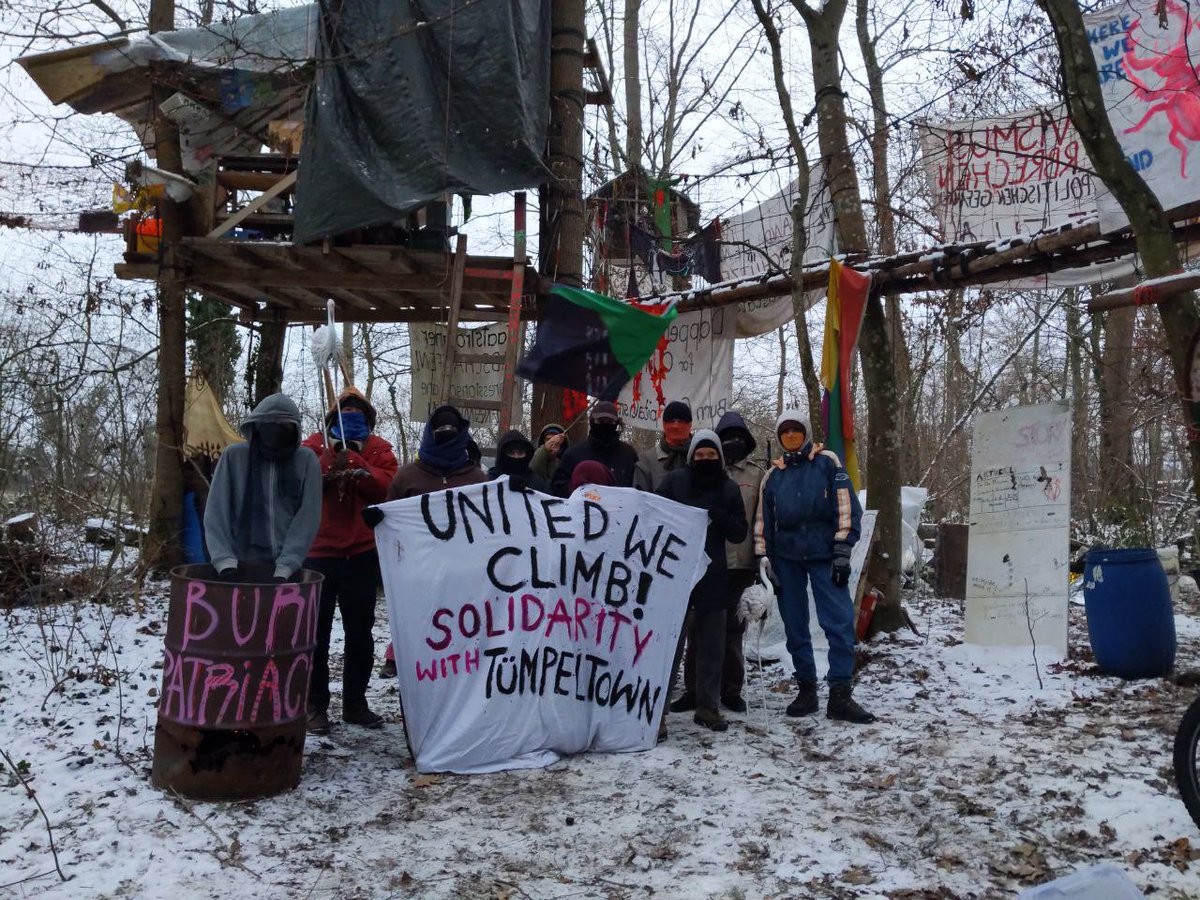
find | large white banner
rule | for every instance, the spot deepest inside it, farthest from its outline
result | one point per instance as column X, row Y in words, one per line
column 998, row 178
column 469, row 381
column 527, row 626
column 696, row 367
column 1018, row 556
column 761, row 240
column 1151, row 90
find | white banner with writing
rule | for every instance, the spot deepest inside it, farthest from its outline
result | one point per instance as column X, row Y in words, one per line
column 696, row 367
column 1151, row 90
column 528, row 626
column 1018, row 555
column 469, row 381
column 997, row 178
column 760, row 240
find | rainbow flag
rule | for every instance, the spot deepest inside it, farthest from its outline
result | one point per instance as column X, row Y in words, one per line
column 847, row 301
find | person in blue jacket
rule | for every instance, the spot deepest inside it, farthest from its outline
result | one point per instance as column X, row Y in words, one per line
column 807, row 522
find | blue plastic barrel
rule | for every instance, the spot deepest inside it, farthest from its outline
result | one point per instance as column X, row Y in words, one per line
column 1130, row 620
column 193, row 534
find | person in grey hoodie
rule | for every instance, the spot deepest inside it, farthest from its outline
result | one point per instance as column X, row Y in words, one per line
column 264, row 506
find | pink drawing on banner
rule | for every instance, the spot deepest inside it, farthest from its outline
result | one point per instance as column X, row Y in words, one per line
column 1178, row 94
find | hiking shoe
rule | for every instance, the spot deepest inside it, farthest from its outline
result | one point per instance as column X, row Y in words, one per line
column 685, row 703
column 710, row 718
column 734, row 704
column 318, row 722
column 805, row 703
column 842, row 707
column 362, row 716
column 388, row 669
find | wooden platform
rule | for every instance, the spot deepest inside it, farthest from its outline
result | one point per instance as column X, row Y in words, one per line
column 369, row 283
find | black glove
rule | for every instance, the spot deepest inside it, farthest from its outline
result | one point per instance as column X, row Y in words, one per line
column 519, row 483
column 840, row 574
column 229, row 575
column 372, row 515
column 280, row 579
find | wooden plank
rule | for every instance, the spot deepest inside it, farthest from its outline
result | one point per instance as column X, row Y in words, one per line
column 514, row 313
column 264, row 275
column 254, row 205
column 456, row 288
column 1152, row 291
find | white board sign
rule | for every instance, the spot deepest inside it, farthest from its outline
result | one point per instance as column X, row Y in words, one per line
column 696, row 367
column 1018, row 556
column 1151, row 90
column 470, row 381
column 760, row 240
column 528, row 626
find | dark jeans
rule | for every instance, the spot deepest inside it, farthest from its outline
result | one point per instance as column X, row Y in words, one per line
column 350, row 586
column 704, row 632
column 733, row 666
column 835, row 613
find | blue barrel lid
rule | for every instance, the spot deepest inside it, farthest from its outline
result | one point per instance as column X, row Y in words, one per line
column 1111, row 556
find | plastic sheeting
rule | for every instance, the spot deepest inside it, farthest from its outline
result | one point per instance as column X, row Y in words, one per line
column 403, row 113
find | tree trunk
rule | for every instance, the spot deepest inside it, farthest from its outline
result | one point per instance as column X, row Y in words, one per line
column 560, row 237
column 875, row 346
column 1119, row 494
column 164, row 547
column 268, row 361
column 1079, row 401
column 633, row 86
column 1150, row 224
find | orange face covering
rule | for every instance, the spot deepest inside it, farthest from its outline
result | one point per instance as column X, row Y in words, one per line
column 677, row 433
column 792, row 440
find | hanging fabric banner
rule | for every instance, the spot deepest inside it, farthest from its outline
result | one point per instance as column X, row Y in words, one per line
column 760, row 241
column 693, row 363
column 1151, row 90
column 998, row 178
column 527, row 626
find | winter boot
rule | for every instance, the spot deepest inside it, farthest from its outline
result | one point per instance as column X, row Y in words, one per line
column 362, row 715
column 843, row 708
column 388, row 669
column 318, row 722
column 710, row 718
column 734, row 703
column 685, row 703
column 805, row 703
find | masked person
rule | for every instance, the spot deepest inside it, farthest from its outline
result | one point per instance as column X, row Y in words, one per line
column 443, row 461
column 670, row 453
column 514, row 454
column 552, row 443
column 704, row 485
column 264, row 506
column 591, row 472
column 808, row 519
column 356, row 467
column 736, row 444
column 604, row 445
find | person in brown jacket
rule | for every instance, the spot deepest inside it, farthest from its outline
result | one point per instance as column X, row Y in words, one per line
column 443, row 461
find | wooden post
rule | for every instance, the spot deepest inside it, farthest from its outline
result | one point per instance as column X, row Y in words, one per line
column 456, row 287
column 164, row 547
column 514, row 314
column 560, row 235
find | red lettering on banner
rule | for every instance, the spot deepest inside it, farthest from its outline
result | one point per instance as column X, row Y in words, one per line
column 560, row 614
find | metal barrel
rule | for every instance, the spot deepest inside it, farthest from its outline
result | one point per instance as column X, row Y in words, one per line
column 233, row 709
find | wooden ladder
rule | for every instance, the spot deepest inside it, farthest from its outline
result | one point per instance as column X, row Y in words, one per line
column 508, row 359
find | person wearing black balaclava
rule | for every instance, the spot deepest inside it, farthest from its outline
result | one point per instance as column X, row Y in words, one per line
column 604, row 445
column 736, row 444
column 514, row 454
column 264, row 507
column 443, row 461
column 705, row 485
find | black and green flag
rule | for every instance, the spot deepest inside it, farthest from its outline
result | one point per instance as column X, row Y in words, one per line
column 591, row 343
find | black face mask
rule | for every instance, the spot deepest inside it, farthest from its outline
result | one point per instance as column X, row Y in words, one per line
column 603, row 432
column 706, row 471
column 736, row 448
column 513, row 465
column 277, row 440
column 446, row 436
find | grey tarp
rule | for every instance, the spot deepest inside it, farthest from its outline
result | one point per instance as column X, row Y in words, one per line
column 402, row 113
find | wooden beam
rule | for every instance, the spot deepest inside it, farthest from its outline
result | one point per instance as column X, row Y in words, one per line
column 456, row 287
column 254, row 205
column 1155, row 290
column 514, row 314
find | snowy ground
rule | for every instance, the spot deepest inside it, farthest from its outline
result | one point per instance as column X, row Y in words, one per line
column 977, row 782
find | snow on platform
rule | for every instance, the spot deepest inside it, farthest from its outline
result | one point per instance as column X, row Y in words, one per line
column 976, row 783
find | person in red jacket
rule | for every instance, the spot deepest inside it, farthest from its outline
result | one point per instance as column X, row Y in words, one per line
column 356, row 467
